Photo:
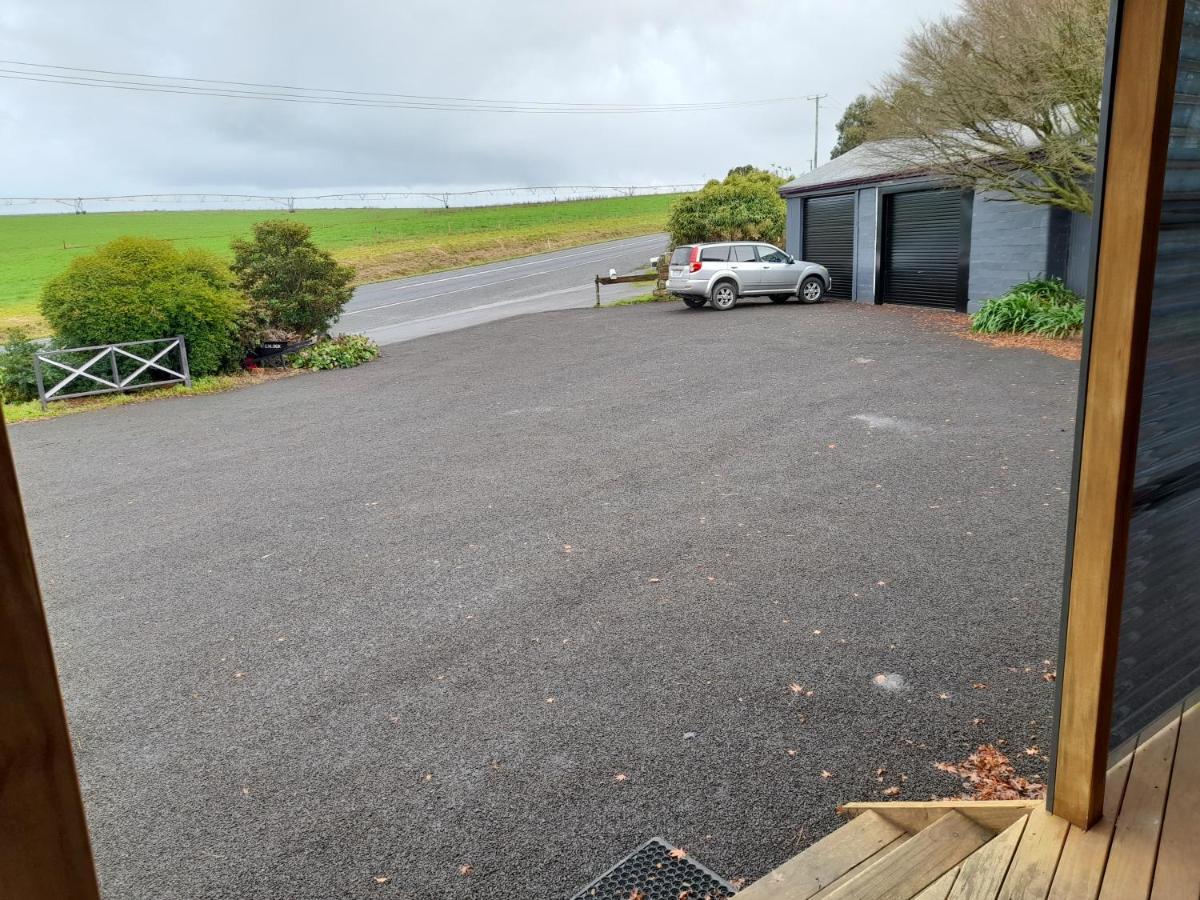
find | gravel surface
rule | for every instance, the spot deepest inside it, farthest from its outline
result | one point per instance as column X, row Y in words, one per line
column 517, row 597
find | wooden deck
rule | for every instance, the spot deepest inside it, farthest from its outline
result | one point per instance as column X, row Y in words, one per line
column 1146, row 846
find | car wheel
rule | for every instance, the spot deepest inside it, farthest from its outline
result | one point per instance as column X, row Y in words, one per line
column 724, row 295
column 812, row 289
column 694, row 302
column 780, row 298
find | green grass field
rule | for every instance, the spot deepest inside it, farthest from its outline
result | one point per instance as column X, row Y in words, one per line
column 380, row 243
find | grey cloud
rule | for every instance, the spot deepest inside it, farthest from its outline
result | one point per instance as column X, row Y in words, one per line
column 67, row 140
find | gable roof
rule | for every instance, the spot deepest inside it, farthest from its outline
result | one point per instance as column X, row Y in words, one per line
column 873, row 161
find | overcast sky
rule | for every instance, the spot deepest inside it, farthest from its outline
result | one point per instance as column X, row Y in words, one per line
column 60, row 140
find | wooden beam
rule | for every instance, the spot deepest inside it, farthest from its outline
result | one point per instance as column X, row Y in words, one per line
column 1140, row 101
column 44, row 849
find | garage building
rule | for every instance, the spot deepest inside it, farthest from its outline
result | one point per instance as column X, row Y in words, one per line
column 889, row 234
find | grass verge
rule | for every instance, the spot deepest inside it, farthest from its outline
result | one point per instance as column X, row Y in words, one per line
column 213, row 384
column 380, row 243
column 641, row 298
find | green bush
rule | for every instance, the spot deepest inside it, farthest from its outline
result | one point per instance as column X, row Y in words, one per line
column 1040, row 306
column 294, row 285
column 135, row 289
column 17, row 382
column 344, row 352
column 743, row 207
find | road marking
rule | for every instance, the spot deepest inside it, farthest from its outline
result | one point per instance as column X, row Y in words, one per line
column 422, row 284
column 471, row 309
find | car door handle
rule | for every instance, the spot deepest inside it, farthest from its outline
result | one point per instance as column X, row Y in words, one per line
column 733, row 267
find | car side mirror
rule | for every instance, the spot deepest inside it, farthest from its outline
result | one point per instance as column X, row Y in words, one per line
column 791, row 260
column 654, row 261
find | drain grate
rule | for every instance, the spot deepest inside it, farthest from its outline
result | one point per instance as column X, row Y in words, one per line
column 651, row 872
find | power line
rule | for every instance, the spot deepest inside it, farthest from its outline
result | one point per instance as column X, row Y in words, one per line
column 242, row 90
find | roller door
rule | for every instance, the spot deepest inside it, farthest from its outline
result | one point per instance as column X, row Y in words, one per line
column 829, row 239
column 924, row 248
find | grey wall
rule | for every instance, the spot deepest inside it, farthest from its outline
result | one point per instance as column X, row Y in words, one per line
column 795, row 227
column 864, row 244
column 1009, row 243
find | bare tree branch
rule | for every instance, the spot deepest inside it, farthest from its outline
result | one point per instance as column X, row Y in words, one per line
column 1003, row 97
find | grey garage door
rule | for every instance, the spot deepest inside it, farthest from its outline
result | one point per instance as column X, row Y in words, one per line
column 829, row 239
column 923, row 249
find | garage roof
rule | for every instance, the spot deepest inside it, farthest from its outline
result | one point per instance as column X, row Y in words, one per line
column 874, row 161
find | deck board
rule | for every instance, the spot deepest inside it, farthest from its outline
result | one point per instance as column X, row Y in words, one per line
column 1130, row 869
column 920, row 862
column 1085, row 854
column 826, row 861
column 1177, row 870
column 983, row 871
column 1033, row 864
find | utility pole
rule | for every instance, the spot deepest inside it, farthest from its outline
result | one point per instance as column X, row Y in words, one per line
column 816, row 99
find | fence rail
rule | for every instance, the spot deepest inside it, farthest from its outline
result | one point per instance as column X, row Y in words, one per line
column 152, row 370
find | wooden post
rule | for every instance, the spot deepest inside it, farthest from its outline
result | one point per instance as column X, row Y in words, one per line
column 44, row 849
column 1140, row 102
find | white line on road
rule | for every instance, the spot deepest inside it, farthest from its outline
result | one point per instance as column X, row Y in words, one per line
column 351, row 312
column 471, row 309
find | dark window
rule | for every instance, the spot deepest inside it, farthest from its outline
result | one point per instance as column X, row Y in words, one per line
column 714, row 254
column 770, row 254
column 681, row 256
column 743, row 253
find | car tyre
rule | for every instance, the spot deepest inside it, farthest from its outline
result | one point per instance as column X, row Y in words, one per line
column 694, row 302
column 812, row 289
column 724, row 295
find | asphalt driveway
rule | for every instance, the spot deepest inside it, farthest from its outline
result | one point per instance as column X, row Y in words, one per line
column 516, row 597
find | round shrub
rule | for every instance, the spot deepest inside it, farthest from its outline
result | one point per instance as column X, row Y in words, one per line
column 295, row 286
column 135, row 289
column 743, row 207
column 344, row 352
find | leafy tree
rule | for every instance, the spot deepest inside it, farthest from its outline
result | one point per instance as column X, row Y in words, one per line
column 743, row 207
column 854, row 127
column 1004, row 96
column 294, row 285
column 134, row 289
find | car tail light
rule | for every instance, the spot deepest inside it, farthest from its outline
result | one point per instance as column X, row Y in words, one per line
column 694, row 260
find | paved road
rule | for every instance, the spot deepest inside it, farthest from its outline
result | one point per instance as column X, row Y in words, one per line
column 387, row 622
column 406, row 308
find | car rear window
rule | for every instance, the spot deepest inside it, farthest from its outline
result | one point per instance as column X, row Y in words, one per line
column 714, row 254
column 681, row 256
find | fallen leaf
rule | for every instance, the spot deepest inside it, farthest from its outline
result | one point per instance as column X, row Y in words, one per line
column 1032, row 751
column 466, row 869
column 816, row 631
column 1049, row 676
column 678, row 853
column 654, row 580
column 892, row 791
column 382, row 879
column 979, row 686
column 796, row 688
column 239, row 674
column 943, row 696
column 978, row 721
column 791, row 753
column 620, row 776
column 549, row 699
column 638, row 894
column 825, row 773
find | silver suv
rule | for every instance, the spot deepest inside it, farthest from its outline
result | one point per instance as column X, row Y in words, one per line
column 720, row 273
